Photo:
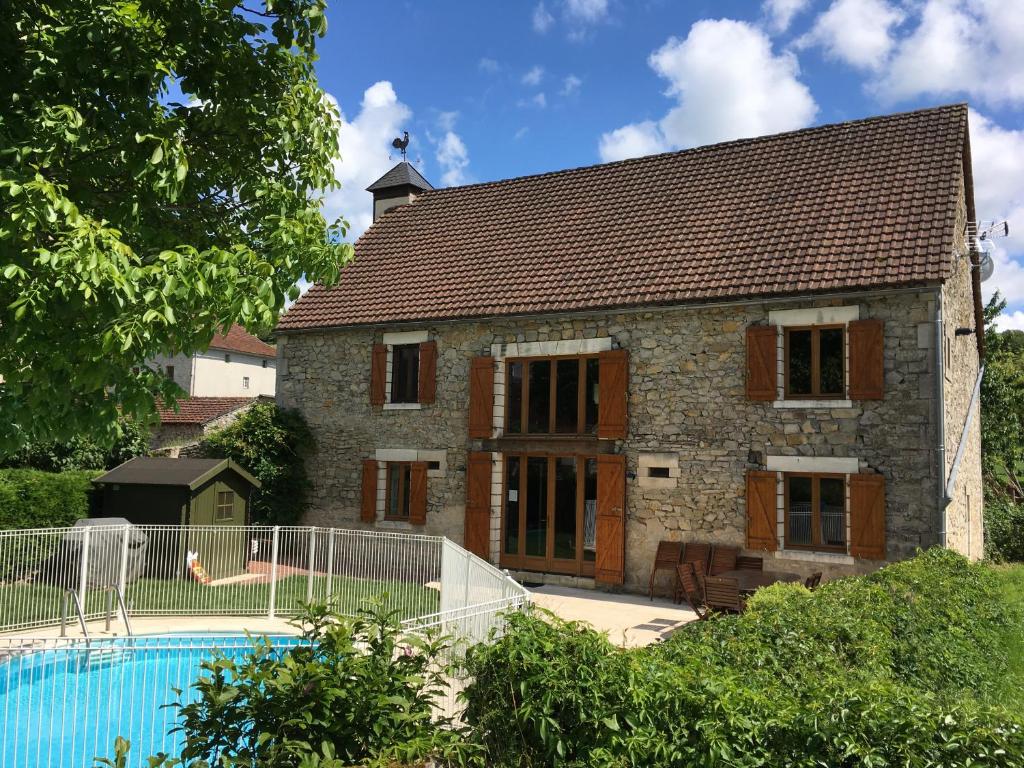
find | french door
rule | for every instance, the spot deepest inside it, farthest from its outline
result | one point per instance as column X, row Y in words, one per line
column 549, row 513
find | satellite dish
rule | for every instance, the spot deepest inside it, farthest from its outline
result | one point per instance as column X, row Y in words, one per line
column 986, row 266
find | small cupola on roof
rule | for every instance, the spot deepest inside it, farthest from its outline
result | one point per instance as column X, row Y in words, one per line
column 398, row 186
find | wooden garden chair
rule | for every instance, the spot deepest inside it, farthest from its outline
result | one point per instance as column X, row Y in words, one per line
column 723, row 594
column 813, row 580
column 746, row 563
column 665, row 559
column 689, row 589
column 722, row 559
column 693, row 553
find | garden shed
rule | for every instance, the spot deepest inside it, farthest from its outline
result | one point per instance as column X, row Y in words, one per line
column 163, row 491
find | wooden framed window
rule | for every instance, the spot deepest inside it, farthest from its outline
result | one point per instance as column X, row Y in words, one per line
column 815, row 511
column 405, row 373
column 225, row 505
column 170, row 372
column 815, row 362
column 245, row 382
column 399, row 484
column 552, row 395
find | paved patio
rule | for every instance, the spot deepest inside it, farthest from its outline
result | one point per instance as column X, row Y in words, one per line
column 629, row 620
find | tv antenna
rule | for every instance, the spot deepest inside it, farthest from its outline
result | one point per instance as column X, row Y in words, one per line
column 981, row 235
column 402, row 143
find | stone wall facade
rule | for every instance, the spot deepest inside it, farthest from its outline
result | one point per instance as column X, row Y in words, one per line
column 686, row 401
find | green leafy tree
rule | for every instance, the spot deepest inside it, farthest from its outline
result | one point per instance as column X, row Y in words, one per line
column 272, row 444
column 83, row 452
column 162, row 171
column 1002, row 403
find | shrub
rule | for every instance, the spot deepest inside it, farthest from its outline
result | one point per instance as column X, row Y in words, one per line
column 33, row 499
column 903, row 667
column 1004, row 529
column 83, row 452
column 272, row 444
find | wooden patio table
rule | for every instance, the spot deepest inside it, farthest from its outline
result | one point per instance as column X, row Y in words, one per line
column 752, row 580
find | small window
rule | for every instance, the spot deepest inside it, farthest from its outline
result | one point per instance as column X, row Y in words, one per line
column 433, row 465
column 405, row 365
column 815, row 362
column 245, row 382
column 227, row 358
column 815, row 512
column 170, row 372
column 397, row 501
column 658, row 472
column 225, row 505
column 264, row 363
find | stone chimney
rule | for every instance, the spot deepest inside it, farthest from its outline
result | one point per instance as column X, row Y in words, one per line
column 398, row 186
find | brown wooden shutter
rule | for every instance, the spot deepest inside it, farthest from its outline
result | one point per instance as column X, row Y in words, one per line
column 613, row 373
column 867, row 516
column 867, row 359
column 368, row 504
column 481, row 397
column 761, row 515
column 477, row 535
column 610, row 559
column 428, row 371
column 761, row 358
column 418, row 493
column 378, row 373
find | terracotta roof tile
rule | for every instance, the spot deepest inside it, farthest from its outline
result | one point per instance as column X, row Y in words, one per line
column 237, row 339
column 859, row 205
column 200, row 410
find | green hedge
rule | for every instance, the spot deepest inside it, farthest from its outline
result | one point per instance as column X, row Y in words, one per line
column 903, row 667
column 30, row 498
column 1004, row 529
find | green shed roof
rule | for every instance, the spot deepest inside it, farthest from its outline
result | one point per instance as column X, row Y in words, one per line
column 191, row 473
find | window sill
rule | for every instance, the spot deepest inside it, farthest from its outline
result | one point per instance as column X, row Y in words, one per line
column 823, row 405
column 833, row 558
column 403, row 406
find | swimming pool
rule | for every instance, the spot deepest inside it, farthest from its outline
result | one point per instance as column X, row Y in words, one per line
column 62, row 703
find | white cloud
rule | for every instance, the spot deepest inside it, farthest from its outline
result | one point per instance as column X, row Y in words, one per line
column 539, row 100
column 534, row 75
column 489, row 66
column 446, row 120
column 973, row 47
column 858, row 32
column 728, row 84
column 1011, row 321
column 453, row 158
column 365, row 144
column 570, row 85
column 997, row 157
column 542, row 20
column 586, row 11
column 520, row 133
column 780, row 13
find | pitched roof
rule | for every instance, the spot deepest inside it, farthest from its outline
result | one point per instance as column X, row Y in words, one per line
column 146, row 470
column 402, row 175
column 237, row 339
column 860, row 205
column 200, row 410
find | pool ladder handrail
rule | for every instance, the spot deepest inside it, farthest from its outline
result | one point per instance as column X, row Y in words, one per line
column 70, row 595
column 122, row 606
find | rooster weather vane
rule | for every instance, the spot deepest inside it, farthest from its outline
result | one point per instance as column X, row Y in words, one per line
column 402, row 144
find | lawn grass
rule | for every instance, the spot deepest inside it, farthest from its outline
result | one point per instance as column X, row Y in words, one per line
column 1012, row 578
column 24, row 604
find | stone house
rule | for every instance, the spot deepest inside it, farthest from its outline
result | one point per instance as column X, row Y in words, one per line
column 773, row 343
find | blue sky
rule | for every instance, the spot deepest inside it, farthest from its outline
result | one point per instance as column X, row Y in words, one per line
column 490, row 90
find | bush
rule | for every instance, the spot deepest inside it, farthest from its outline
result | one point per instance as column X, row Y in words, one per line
column 271, row 443
column 33, row 499
column 1004, row 530
column 82, row 452
column 903, row 667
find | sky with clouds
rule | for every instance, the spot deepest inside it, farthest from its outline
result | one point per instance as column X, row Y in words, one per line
column 490, row 89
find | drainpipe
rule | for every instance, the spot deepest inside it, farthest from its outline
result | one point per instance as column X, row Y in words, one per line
column 940, row 418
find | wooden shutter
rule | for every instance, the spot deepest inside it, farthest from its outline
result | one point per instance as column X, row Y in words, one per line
column 867, row 516
column 867, row 359
column 428, row 371
column 378, row 373
column 477, row 535
column 761, row 357
column 418, row 493
column 610, row 560
column 761, row 514
column 481, row 397
column 613, row 379
column 368, row 504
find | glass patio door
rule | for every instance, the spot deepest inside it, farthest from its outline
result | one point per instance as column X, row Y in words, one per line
column 548, row 517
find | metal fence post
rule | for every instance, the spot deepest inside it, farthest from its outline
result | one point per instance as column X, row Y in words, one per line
column 83, row 574
column 465, row 582
column 312, row 565
column 273, row 572
column 330, row 566
column 122, row 579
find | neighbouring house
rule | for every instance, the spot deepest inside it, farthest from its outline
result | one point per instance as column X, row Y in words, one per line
column 194, row 418
column 237, row 364
column 773, row 343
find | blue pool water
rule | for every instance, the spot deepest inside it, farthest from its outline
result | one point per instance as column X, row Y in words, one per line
column 63, row 707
